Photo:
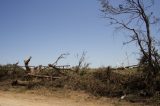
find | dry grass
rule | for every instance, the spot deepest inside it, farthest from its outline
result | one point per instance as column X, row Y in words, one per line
column 98, row 82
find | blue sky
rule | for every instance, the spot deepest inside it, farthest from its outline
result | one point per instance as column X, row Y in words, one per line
column 44, row 29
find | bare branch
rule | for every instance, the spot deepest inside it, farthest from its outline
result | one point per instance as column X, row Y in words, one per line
column 81, row 63
column 60, row 57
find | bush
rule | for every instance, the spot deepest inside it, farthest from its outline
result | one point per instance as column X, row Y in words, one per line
column 102, row 82
column 10, row 71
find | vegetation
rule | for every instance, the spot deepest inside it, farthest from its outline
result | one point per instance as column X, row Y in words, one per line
column 10, row 71
column 137, row 19
column 99, row 82
column 140, row 84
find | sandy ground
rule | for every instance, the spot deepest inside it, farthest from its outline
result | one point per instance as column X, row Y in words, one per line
column 42, row 98
column 19, row 99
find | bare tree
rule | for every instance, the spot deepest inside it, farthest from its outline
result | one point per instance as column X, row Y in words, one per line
column 60, row 57
column 82, row 65
column 136, row 17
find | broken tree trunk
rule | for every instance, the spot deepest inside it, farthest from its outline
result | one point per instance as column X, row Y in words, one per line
column 42, row 76
column 26, row 62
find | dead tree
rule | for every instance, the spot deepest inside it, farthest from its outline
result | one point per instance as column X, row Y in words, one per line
column 60, row 57
column 135, row 17
column 57, row 71
column 26, row 63
column 54, row 65
column 82, row 65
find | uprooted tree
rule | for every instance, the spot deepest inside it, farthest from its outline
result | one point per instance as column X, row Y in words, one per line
column 137, row 19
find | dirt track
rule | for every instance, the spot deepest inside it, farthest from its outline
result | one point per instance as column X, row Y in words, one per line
column 19, row 99
column 9, row 98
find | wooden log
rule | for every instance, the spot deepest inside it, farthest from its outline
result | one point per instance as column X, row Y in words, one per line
column 19, row 83
column 42, row 76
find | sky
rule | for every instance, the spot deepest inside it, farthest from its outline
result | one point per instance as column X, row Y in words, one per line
column 44, row 29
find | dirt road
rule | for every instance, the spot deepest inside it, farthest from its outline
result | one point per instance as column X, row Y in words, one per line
column 25, row 99
column 9, row 98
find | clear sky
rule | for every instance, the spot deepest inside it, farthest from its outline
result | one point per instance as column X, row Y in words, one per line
column 44, row 29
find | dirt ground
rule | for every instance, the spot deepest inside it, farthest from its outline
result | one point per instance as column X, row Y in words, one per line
column 18, row 99
column 58, row 98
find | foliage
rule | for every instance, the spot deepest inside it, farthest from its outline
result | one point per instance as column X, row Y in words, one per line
column 11, row 71
column 99, row 82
